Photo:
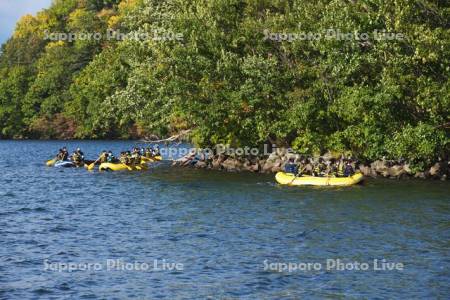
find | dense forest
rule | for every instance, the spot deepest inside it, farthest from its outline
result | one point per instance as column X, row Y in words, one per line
column 238, row 72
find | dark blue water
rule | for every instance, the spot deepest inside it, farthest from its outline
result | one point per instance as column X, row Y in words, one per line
column 221, row 229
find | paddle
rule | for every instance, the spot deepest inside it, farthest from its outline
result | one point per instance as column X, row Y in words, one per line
column 91, row 166
column 129, row 168
column 51, row 162
column 298, row 174
column 146, row 159
column 151, row 159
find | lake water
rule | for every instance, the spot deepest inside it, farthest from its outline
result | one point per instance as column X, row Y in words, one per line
column 211, row 234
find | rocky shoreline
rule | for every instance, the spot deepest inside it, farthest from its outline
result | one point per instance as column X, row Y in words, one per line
column 276, row 161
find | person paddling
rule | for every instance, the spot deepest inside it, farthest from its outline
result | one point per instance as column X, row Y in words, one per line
column 59, row 156
column 102, row 158
column 129, row 158
column 63, row 154
column 78, row 157
column 123, row 157
column 136, row 156
column 291, row 167
column 156, row 151
column 348, row 171
column 148, row 152
column 319, row 168
column 332, row 168
column 341, row 167
column 111, row 158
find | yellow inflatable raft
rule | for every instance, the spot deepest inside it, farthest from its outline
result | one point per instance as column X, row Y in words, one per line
column 290, row 179
column 121, row 167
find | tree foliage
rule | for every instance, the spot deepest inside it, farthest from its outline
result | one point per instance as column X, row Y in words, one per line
column 231, row 82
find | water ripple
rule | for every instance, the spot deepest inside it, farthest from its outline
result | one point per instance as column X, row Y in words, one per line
column 220, row 226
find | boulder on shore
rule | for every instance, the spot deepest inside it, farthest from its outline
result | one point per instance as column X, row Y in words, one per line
column 380, row 167
column 435, row 170
column 367, row 171
column 277, row 160
column 267, row 167
column 201, row 165
column 420, row 175
column 396, row 171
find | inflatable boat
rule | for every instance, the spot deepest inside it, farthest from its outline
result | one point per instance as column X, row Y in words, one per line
column 291, row 179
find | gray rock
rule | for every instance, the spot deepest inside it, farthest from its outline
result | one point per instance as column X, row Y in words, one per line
column 420, row 175
column 367, row 171
column 407, row 169
column 281, row 151
column 435, row 170
column 396, row 171
column 267, row 167
column 251, row 166
column 278, row 163
column 327, row 156
column 276, row 169
column 230, row 164
column 255, row 167
column 216, row 164
column 201, row 165
column 380, row 167
column 273, row 156
column 262, row 162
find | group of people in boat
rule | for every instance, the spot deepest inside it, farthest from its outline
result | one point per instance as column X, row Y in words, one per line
column 63, row 155
column 331, row 168
column 134, row 156
column 126, row 157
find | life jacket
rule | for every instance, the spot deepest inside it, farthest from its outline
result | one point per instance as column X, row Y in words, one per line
column 333, row 170
column 76, row 157
column 291, row 168
column 348, row 170
column 340, row 171
column 103, row 158
column 129, row 159
column 64, row 156
column 318, row 168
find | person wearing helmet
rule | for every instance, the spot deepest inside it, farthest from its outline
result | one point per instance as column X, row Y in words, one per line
column 111, row 158
column 59, row 156
column 319, row 168
column 331, row 168
column 136, row 156
column 348, row 171
column 129, row 158
column 341, row 167
column 64, row 154
column 78, row 157
column 156, row 151
column 102, row 158
column 123, row 157
column 148, row 152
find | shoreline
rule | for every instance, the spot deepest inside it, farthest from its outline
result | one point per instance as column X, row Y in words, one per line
column 276, row 161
